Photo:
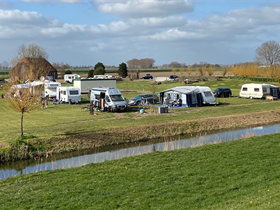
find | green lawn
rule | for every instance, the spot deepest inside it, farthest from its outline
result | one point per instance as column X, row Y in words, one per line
column 242, row 174
column 63, row 119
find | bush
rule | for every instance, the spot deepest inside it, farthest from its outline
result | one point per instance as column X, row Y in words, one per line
column 68, row 72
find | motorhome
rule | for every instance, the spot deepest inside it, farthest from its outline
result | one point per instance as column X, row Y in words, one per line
column 254, row 91
column 69, row 78
column 50, row 89
column 68, row 94
column 110, row 99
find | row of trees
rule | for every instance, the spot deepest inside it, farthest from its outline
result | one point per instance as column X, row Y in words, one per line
column 145, row 63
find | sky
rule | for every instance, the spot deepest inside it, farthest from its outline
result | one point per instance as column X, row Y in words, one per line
column 85, row 32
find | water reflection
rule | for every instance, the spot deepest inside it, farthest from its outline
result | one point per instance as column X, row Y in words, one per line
column 85, row 157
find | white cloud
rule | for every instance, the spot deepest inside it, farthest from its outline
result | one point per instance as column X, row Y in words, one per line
column 52, row 1
column 12, row 18
column 145, row 8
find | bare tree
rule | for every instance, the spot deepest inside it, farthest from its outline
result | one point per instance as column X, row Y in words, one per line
column 26, row 97
column 268, row 53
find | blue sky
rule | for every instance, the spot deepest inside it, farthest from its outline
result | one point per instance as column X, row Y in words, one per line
column 84, row 32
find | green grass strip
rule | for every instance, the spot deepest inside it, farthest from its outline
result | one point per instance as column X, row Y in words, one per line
column 241, row 174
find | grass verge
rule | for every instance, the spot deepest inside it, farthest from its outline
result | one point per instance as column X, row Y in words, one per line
column 242, row 174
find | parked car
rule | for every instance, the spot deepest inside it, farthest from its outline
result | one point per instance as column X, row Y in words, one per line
column 222, row 92
column 173, row 77
column 147, row 76
column 137, row 100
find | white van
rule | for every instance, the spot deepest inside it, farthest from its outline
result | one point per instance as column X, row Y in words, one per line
column 207, row 95
column 254, row 91
column 68, row 94
column 68, row 78
column 110, row 99
column 50, row 89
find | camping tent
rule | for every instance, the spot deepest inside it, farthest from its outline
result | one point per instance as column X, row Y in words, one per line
column 190, row 96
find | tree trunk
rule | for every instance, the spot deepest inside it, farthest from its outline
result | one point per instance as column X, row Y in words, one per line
column 21, row 124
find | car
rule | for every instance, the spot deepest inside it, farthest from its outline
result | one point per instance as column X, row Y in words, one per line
column 137, row 100
column 147, row 76
column 222, row 92
column 173, row 77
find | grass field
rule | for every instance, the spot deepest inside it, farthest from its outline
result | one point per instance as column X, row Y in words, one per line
column 242, row 174
column 67, row 119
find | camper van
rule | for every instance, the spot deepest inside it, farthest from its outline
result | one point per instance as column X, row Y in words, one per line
column 68, row 78
column 50, row 89
column 109, row 99
column 254, row 91
column 207, row 95
column 68, row 94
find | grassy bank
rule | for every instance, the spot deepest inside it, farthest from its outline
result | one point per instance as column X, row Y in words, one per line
column 242, row 174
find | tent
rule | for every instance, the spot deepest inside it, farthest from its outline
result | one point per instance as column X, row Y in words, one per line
column 190, row 96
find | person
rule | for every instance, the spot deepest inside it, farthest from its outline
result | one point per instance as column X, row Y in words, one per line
column 166, row 101
column 46, row 103
column 43, row 105
column 92, row 110
column 179, row 102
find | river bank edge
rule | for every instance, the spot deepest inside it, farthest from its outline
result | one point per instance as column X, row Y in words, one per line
column 35, row 148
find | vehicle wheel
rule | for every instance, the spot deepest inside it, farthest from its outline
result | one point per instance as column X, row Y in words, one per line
column 222, row 95
column 137, row 103
column 229, row 95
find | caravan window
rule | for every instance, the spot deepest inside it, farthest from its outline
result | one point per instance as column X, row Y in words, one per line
column 244, row 89
column 257, row 89
column 63, row 92
column 74, row 92
column 208, row 94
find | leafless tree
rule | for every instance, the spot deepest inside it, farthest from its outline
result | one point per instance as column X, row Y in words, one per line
column 27, row 97
column 268, row 53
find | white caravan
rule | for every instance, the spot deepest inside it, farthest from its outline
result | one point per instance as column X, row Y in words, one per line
column 50, row 89
column 207, row 95
column 68, row 78
column 68, row 94
column 254, row 91
column 110, row 99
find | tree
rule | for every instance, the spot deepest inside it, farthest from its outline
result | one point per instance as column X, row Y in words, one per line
column 68, row 72
column 90, row 73
column 99, row 64
column 211, row 69
column 122, row 70
column 268, row 53
column 182, row 70
column 26, row 97
column 98, row 71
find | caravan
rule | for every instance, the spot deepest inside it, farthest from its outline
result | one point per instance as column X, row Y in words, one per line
column 252, row 90
column 68, row 94
column 69, row 78
column 207, row 95
column 50, row 89
column 108, row 99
